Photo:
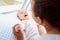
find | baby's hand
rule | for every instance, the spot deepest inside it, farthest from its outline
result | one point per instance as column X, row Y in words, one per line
column 23, row 15
column 18, row 32
column 41, row 29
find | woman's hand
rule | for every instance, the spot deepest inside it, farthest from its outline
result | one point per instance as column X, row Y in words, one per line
column 23, row 15
column 18, row 32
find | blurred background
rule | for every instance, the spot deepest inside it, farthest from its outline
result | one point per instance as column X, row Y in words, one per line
column 8, row 6
column 10, row 2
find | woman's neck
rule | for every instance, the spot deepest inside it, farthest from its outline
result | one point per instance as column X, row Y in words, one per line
column 53, row 31
column 50, row 29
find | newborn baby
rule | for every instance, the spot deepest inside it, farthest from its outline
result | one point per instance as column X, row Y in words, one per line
column 30, row 27
column 23, row 17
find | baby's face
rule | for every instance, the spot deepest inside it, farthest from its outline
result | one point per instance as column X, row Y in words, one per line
column 23, row 15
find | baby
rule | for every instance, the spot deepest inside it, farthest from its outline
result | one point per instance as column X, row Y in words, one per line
column 23, row 15
column 30, row 27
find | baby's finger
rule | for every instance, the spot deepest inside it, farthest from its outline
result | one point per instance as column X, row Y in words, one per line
column 15, row 28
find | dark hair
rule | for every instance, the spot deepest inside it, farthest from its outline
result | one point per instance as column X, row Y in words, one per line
column 48, row 10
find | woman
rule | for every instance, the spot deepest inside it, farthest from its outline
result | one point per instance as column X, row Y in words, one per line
column 47, row 13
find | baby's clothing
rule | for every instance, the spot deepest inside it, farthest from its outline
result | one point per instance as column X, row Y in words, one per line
column 31, row 31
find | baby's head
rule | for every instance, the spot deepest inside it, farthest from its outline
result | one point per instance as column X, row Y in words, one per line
column 23, row 15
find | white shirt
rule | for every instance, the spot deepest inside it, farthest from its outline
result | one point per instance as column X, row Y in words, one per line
column 50, row 37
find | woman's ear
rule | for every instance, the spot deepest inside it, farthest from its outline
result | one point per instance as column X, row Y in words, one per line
column 39, row 20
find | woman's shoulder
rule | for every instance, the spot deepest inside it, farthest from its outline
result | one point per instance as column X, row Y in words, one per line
column 50, row 37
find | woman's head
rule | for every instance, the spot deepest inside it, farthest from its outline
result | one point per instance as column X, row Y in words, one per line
column 47, row 10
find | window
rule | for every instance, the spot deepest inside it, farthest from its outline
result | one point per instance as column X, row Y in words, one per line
column 7, row 6
column 11, row 2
